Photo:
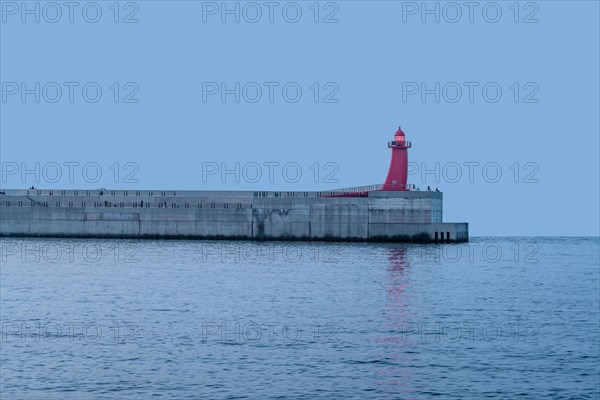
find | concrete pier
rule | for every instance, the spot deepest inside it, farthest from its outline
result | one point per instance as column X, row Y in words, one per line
column 399, row 216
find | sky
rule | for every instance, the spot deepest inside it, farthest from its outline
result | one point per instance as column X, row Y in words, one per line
column 499, row 99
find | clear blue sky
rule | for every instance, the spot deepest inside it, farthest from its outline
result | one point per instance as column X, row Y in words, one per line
column 370, row 67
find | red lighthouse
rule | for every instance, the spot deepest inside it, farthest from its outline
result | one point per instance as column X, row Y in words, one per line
column 398, row 172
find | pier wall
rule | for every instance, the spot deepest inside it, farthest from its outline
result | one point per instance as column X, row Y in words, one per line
column 382, row 216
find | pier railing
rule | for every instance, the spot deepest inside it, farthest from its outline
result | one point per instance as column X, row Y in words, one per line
column 89, row 192
column 351, row 191
column 324, row 193
column 181, row 193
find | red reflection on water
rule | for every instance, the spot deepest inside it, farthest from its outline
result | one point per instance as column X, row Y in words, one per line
column 395, row 378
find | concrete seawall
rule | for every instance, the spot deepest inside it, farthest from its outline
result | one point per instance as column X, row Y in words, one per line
column 379, row 216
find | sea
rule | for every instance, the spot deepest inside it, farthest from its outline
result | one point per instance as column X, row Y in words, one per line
column 494, row 318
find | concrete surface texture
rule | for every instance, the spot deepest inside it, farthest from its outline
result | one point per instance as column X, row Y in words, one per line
column 409, row 216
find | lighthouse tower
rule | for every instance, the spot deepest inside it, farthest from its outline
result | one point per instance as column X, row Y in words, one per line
column 398, row 172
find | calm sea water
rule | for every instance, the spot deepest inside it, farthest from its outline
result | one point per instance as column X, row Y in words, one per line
column 494, row 318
